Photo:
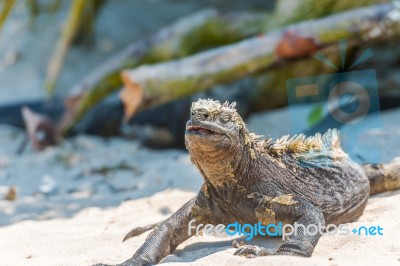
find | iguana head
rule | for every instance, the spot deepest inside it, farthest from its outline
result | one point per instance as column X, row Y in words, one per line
column 214, row 127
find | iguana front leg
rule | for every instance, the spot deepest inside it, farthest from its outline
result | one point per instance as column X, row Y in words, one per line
column 290, row 210
column 164, row 239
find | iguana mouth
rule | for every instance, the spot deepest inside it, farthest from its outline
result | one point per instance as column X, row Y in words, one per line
column 201, row 130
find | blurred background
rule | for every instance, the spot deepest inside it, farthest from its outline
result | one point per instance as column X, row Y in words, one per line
column 31, row 30
column 68, row 141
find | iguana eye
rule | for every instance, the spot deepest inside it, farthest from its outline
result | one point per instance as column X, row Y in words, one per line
column 225, row 117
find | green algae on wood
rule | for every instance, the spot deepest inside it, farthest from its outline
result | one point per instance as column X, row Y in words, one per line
column 166, row 81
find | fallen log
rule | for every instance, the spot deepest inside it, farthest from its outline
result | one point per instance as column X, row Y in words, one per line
column 204, row 30
column 151, row 85
column 196, row 32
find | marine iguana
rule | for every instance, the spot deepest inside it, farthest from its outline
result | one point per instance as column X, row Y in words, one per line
column 308, row 180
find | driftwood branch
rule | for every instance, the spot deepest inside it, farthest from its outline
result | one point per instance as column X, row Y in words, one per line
column 151, row 85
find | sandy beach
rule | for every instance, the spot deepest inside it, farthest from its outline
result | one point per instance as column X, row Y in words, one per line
column 78, row 211
column 94, row 235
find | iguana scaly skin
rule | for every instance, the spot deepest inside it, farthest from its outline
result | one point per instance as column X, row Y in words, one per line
column 294, row 179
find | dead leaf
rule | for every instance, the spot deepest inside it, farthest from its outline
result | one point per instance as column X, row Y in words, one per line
column 293, row 46
column 131, row 95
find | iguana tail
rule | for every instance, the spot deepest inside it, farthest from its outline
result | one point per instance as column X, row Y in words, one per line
column 383, row 177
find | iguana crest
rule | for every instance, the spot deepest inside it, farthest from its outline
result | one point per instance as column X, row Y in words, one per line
column 299, row 143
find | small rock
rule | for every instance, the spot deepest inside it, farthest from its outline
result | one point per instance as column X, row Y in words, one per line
column 47, row 185
column 11, row 194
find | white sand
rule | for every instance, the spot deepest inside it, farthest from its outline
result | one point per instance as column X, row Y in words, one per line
column 94, row 235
